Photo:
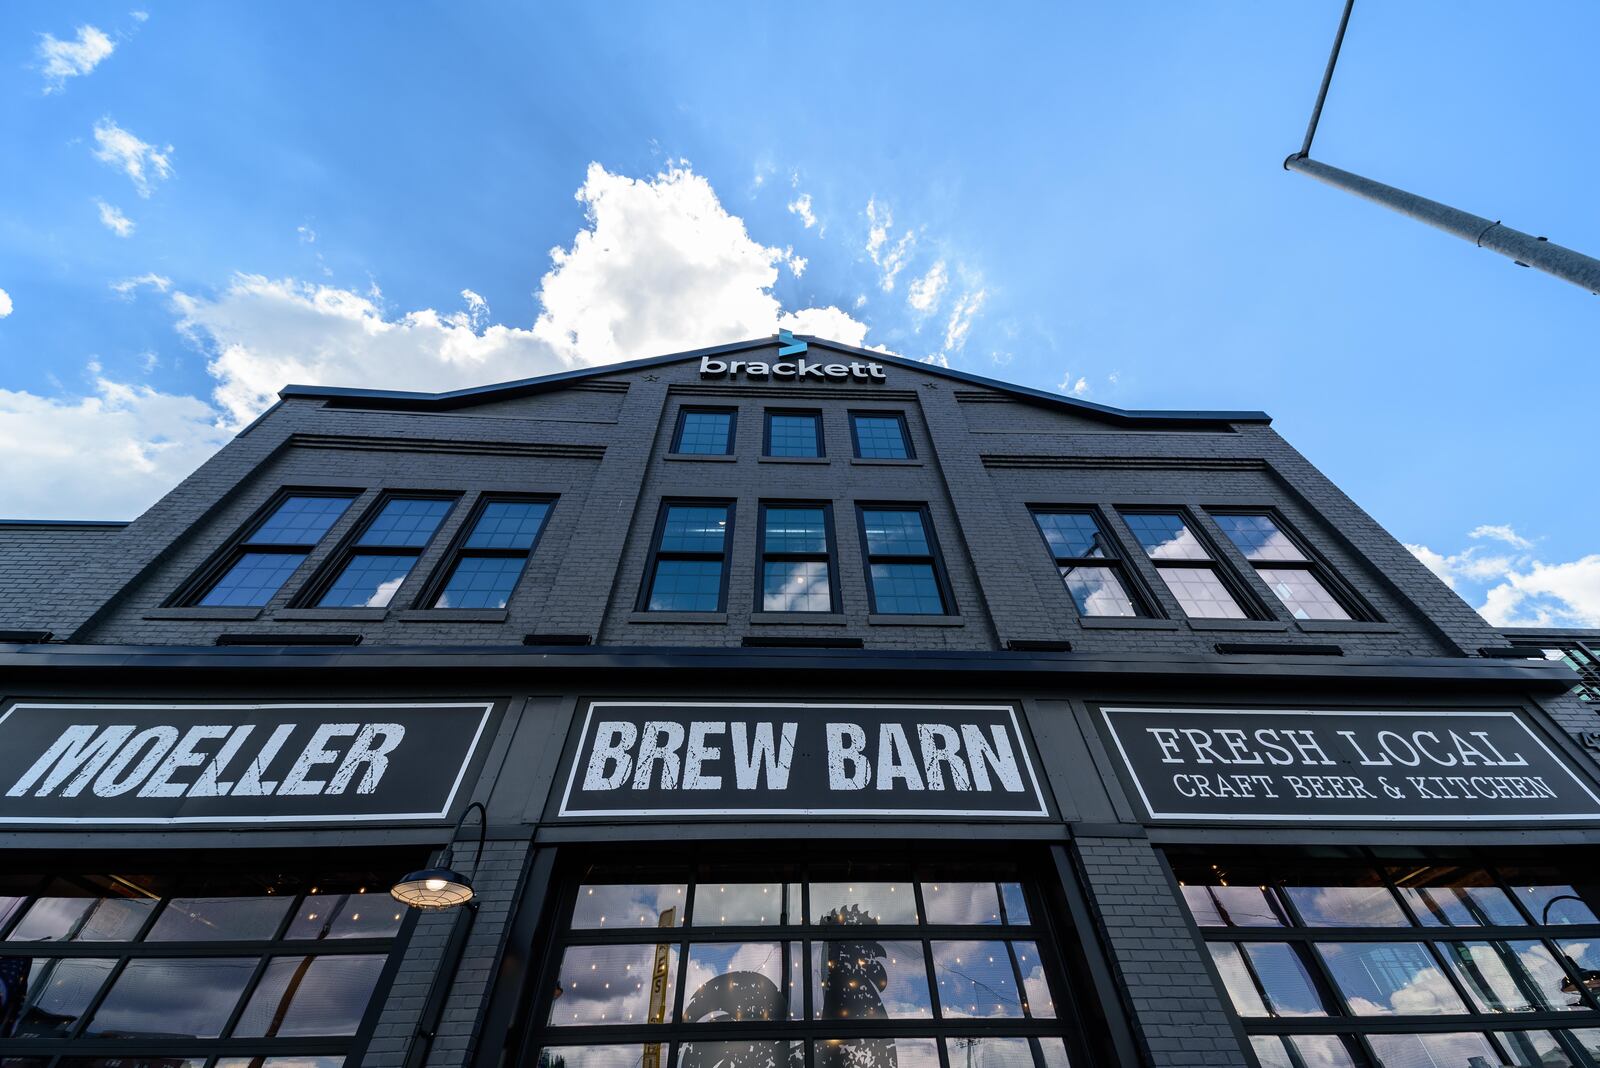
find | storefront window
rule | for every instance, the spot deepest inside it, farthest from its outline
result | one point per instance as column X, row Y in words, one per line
column 803, row 969
column 1404, row 965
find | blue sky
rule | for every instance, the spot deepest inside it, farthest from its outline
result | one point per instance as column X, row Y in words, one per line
column 1084, row 198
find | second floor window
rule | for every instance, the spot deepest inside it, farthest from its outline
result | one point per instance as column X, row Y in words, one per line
column 1283, row 565
column 704, row 432
column 1186, row 565
column 371, row 569
column 880, row 435
column 1088, row 562
column 796, row 571
column 688, row 569
column 272, row 550
column 794, row 434
column 905, row 574
column 490, row 559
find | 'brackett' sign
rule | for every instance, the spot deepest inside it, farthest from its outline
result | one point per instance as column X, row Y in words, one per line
column 1344, row 767
column 706, row 758
column 258, row 763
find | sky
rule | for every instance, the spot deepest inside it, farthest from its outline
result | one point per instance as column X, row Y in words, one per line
column 201, row 203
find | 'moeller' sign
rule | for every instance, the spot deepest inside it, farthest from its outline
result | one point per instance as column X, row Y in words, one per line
column 707, row 758
column 276, row 763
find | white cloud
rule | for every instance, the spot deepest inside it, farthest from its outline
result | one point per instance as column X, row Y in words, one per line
column 140, row 16
column 70, row 59
column 1436, row 562
column 890, row 258
column 1075, row 389
column 801, row 206
column 926, row 292
column 1500, row 532
column 141, row 162
column 112, row 219
column 125, row 287
column 307, row 235
column 1519, row 590
column 5, row 304
column 961, row 316
column 829, row 322
column 938, row 359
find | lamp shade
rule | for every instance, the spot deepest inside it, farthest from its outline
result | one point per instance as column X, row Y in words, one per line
column 432, row 889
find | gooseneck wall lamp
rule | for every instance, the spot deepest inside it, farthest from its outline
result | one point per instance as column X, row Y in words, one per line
column 440, row 887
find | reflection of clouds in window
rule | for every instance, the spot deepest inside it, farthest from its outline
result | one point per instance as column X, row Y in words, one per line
column 1550, row 901
column 190, row 997
column 57, row 992
column 596, row 1056
column 1035, row 987
column 1485, row 968
column 1315, row 1051
column 1462, row 906
column 989, row 1053
column 1390, row 979
column 1347, row 906
column 737, row 904
column 1054, row 1051
column 52, row 919
column 975, row 980
column 1016, row 904
column 877, row 1053
column 1404, row 1051
column 868, row 980
column 873, row 903
column 630, row 905
column 1233, row 906
column 1236, row 978
column 752, row 1053
column 736, row 981
column 961, row 903
column 613, row 984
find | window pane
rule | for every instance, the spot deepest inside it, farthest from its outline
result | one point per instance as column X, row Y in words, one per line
column 961, row 903
column 1054, row 1052
column 190, row 997
column 795, row 586
column 1589, row 1039
column 615, row 985
column 253, row 579
column 687, row 586
column 508, row 525
column 792, row 435
column 116, row 919
column 869, row 980
column 368, row 581
column 1585, row 957
column 125, row 1061
column 878, row 1053
column 1236, row 978
column 1456, row 897
column 1315, row 1051
column 975, row 980
column 1234, row 906
column 1390, row 979
column 1551, row 897
column 1201, row 593
column 1511, row 976
column 796, row 530
column 1433, row 1051
column 1165, row 536
column 300, row 521
column 1343, row 897
column 273, row 1062
column 1535, row 1049
column 901, row 589
column 738, row 904
column 989, row 1053
column 729, row 982
column 52, row 919
column 750, row 1053
column 880, row 437
column 299, row 997
column 218, row 919
column 1302, row 593
column 629, row 905
column 323, row 916
column 1285, row 979
column 694, row 529
column 481, row 582
column 896, row 533
column 1015, row 902
column 705, row 433
column 1258, row 537
column 1074, row 534
column 1269, row 1050
column 600, row 1056
column 53, row 993
column 863, row 902
column 1098, row 591
column 406, row 522
column 1036, row 997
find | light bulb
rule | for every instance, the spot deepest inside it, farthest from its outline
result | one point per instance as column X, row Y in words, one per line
column 434, row 885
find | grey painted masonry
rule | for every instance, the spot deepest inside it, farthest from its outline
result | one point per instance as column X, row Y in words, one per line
column 599, row 442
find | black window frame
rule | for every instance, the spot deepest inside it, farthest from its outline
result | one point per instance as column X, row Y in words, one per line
column 222, row 561
column 1145, row 605
column 458, row 550
column 1252, row 606
column 829, row 557
column 894, row 413
column 936, row 557
column 656, row 555
column 815, row 414
column 350, row 545
column 1355, row 606
column 1579, row 650
column 704, row 409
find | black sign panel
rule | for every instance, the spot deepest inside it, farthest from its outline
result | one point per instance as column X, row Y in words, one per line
column 1345, row 766
column 91, row 764
column 707, row 758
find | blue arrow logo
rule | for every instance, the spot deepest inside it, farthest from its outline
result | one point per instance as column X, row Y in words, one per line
column 788, row 345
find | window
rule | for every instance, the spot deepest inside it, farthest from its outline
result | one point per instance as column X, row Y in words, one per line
column 758, row 968
column 704, row 432
column 368, row 572
column 1186, row 565
column 1581, row 655
column 487, row 563
column 796, row 558
column 1089, row 563
column 271, row 550
column 1390, row 965
column 906, row 576
column 793, row 434
column 175, row 967
column 1299, row 582
column 880, row 435
column 688, row 569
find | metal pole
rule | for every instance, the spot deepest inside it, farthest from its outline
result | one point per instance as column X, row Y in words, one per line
column 1525, row 249
column 1327, row 79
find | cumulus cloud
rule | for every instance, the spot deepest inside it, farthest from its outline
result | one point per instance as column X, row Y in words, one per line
column 829, row 322
column 1518, row 589
column 112, row 219
column 71, row 59
column 926, row 292
column 1501, row 532
column 889, row 256
column 801, row 206
column 5, row 304
column 126, row 287
column 1071, row 388
column 143, row 163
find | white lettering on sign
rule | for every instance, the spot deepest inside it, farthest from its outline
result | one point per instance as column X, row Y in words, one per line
column 793, row 370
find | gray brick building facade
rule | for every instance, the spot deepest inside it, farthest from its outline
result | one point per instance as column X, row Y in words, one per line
column 1164, row 622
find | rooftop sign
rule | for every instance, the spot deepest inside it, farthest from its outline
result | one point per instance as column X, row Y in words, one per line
column 799, row 369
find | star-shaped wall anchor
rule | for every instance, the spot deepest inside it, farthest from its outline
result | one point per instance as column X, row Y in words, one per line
column 652, row 378
column 930, row 385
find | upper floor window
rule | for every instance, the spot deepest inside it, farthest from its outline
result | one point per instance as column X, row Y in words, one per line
column 1283, row 565
column 688, row 570
column 369, row 571
column 1186, row 565
column 903, row 566
column 880, row 435
column 704, row 432
column 796, row 558
column 1089, row 563
column 270, row 551
column 794, row 434
column 488, row 562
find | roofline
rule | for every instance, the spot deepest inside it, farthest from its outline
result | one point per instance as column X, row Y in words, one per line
column 31, row 523
column 544, row 383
